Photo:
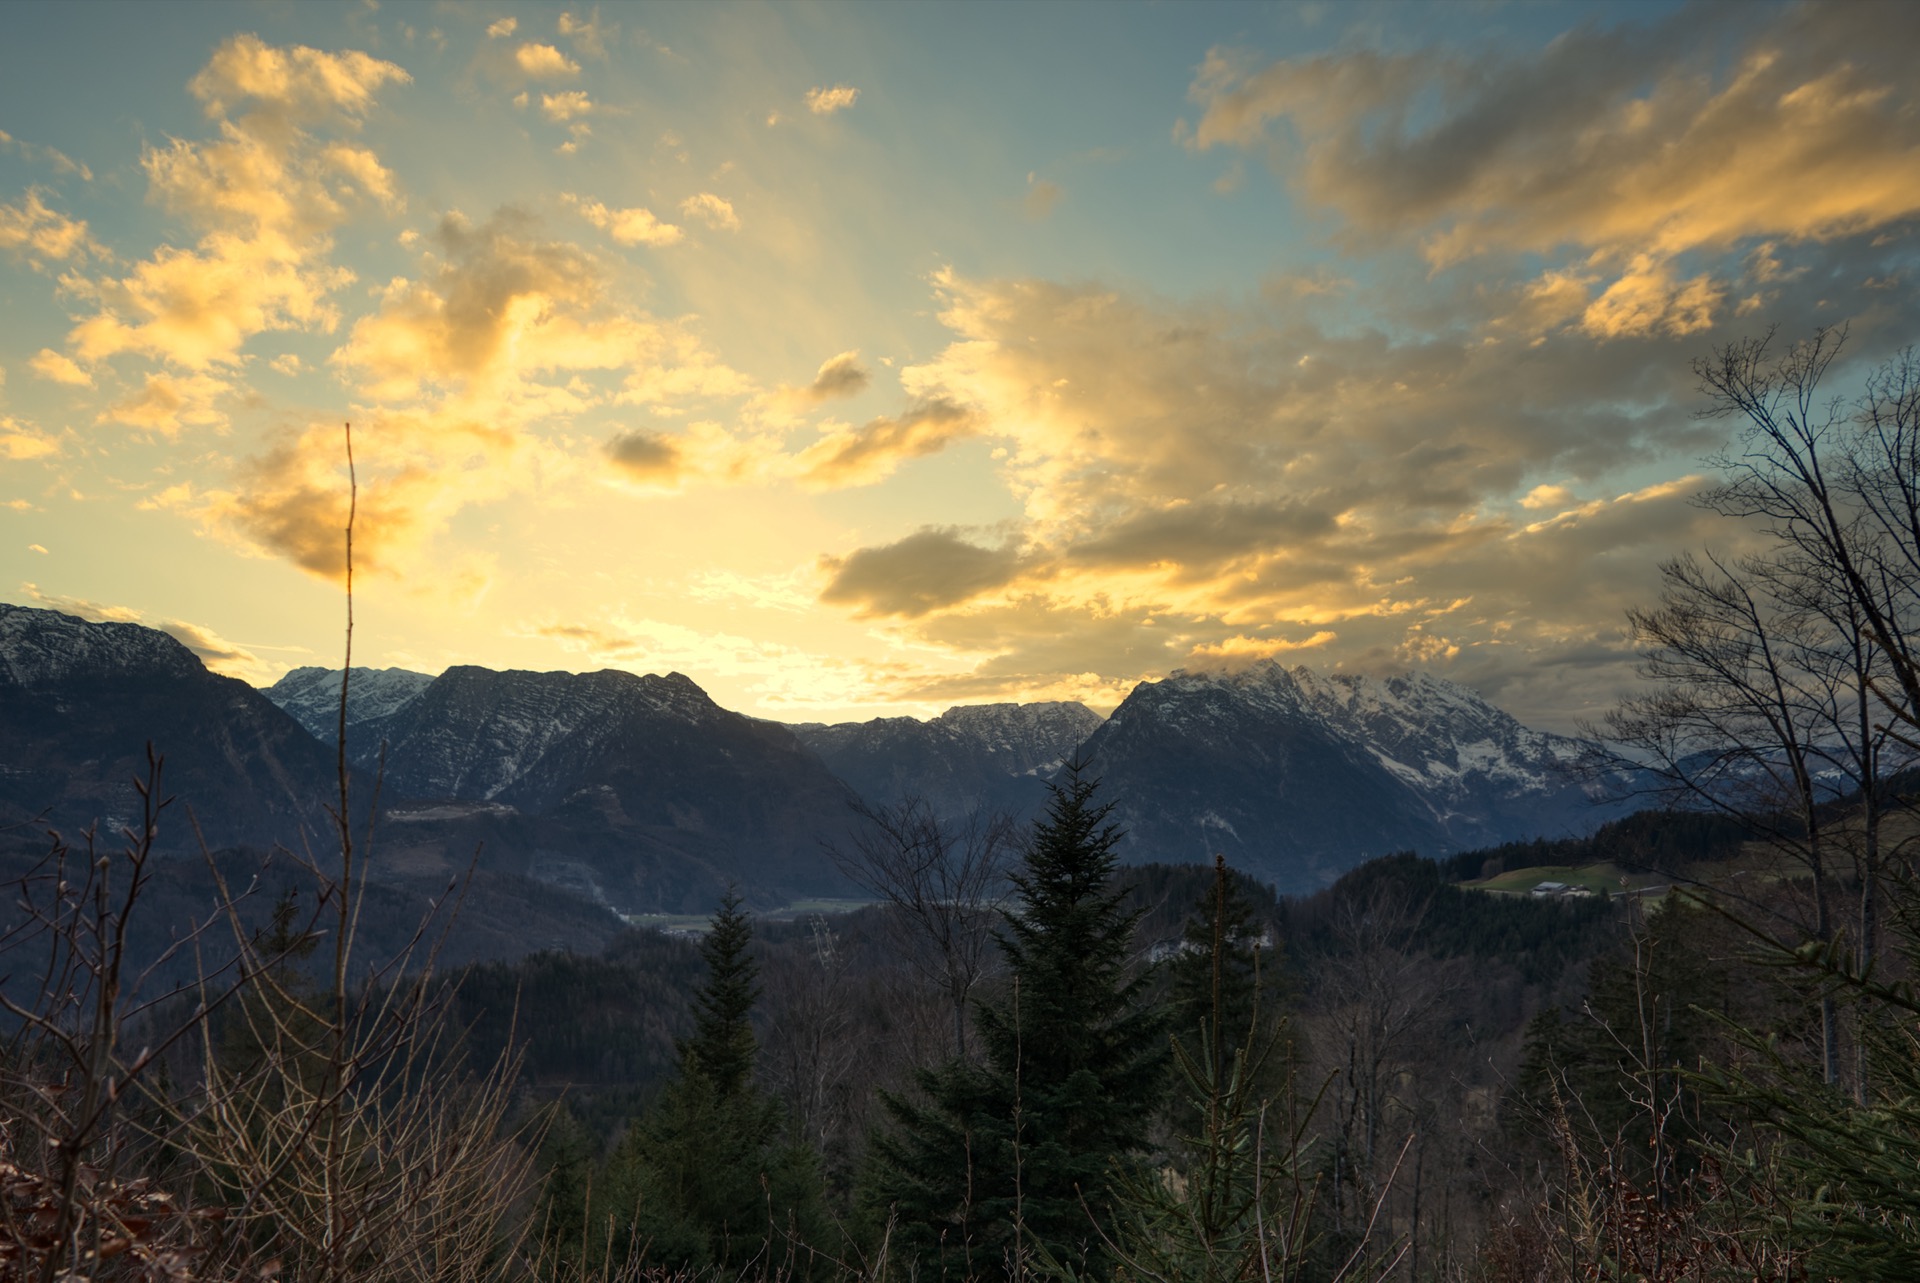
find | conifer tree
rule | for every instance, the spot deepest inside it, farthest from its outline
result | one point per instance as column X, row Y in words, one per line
column 706, row 1178
column 1227, row 994
column 1018, row 1157
column 722, row 1048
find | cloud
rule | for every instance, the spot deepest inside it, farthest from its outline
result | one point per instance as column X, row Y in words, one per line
column 627, row 226
column 267, row 193
column 564, row 106
column 589, row 35
column 824, row 102
column 1638, row 136
column 1203, row 481
column 711, row 210
column 838, row 376
column 1041, row 198
column 544, row 62
column 846, row 456
column 502, row 331
column 781, row 676
column 32, row 230
column 53, row 156
column 166, row 403
column 1622, row 149
column 501, row 28
column 645, row 456
column 1239, row 650
column 21, row 441
column 49, row 364
column 1648, row 298
column 297, row 84
column 919, row 573
column 1204, row 537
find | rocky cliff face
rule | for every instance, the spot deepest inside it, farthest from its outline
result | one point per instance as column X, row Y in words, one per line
column 311, row 696
column 1298, row 776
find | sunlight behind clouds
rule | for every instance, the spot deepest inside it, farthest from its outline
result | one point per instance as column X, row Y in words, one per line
column 940, row 390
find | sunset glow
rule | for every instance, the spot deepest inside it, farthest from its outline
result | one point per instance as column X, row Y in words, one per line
column 867, row 359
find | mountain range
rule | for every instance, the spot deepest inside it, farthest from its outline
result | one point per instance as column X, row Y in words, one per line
column 639, row 793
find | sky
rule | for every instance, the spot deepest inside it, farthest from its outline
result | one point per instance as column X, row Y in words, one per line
column 866, row 359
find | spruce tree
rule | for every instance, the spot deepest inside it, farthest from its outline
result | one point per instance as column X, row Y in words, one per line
column 705, row 1179
column 1018, row 1157
column 1227, row 994
column 722, row 1048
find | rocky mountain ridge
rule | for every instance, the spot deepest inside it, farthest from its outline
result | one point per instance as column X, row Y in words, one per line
column 642, row 793
column 996, row 755
column 1299, row 775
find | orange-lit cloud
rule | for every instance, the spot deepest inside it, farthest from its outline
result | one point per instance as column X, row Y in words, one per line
column 627, row 226
column 268, row 193
column 544, row 62
column 826, row 101
column 165, row 403
column 21, row 441
column 31, row 229
column 49, row 364
column 848, row 456
column 712, row 210
column 1624, row 147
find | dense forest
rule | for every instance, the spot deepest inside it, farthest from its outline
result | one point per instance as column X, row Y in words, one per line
column 1682, row 1047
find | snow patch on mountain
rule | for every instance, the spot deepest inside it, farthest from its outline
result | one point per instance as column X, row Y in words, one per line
column 311, row 696
column 40, row 647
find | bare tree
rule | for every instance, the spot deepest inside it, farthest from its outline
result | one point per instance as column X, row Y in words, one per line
column 1779, row 679
column 943, row 882
column 1742, row 706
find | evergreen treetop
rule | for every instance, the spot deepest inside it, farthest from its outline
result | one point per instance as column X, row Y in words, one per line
column 1019, row 1155
column 723, row 1048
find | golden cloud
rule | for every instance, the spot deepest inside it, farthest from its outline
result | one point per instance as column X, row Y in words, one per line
column 1204, row 483
column 846, row 456
column 464, row 363
column 826, row 101
column 627, row 226
column 49, row 364
column 1633, row 138
column 1627, row 148
column 21, row 441
column 165, row 403
column 37, row 232
column 568, row 105
column 268, row 193
column 544, row 62
column 712, row 210
column 299, row 83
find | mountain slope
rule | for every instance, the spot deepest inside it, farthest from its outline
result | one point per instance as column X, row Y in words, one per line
column 1299, row 776
column 311, row 696
column 993, row 754
column 79, row 702
column 640, row 791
